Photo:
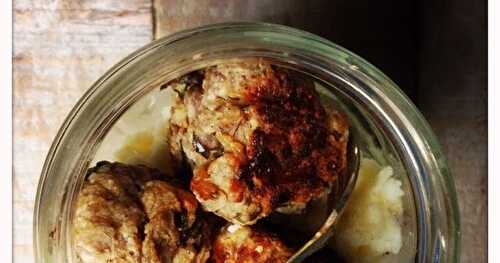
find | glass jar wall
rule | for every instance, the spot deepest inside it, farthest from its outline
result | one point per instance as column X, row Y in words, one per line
column 390, row 128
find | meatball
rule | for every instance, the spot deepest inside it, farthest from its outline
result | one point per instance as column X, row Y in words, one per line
column 124, row 213
column 258, row 139
column 173, row 233
column 108, row 218
column 244, row 244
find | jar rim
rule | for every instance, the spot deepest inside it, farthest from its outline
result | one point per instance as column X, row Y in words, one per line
column 432, row 183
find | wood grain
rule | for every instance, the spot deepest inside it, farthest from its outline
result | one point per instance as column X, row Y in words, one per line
column 60, row 49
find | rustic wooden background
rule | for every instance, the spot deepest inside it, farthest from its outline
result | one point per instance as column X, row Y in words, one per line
column 435, row 50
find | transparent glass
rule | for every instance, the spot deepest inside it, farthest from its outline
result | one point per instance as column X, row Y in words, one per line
column 390, row 127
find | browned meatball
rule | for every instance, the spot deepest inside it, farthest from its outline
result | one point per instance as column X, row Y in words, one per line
column 124, row 213
column 108, row 219
column 258, row 139
column 243, row 244
column 173, row 233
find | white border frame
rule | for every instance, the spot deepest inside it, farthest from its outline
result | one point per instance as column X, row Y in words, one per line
column 6, row 131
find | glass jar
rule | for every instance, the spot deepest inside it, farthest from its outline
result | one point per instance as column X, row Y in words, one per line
column 390, row 128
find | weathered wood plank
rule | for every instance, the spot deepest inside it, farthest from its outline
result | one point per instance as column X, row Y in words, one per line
column 60, row 48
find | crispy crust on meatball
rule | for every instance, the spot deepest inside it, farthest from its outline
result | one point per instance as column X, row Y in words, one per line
column 247, row 245
column 258, row 139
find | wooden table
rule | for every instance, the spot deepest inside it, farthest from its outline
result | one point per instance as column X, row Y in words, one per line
column 62, row 46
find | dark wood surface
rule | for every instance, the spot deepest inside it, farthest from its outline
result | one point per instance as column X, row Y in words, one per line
column 452, row 94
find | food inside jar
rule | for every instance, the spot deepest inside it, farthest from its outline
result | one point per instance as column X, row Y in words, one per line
column 127, row 213
column 258, row 139
column 242, row 140
column 236, row 243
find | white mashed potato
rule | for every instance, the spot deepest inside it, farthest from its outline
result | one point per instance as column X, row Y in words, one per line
column 369, row 230
column 139, row 136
